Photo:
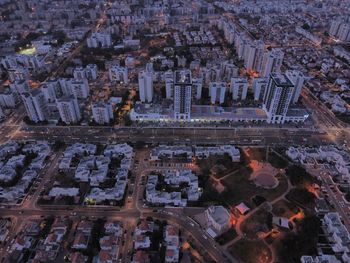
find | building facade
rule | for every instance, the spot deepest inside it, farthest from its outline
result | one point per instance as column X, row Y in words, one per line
column 69, row 110
column 182, row 95
column 277, row 98
column 102, row 112
column 35, row 105
column 239, row 88
column 217, row 91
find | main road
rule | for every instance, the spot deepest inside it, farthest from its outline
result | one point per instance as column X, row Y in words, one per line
column 256, row 135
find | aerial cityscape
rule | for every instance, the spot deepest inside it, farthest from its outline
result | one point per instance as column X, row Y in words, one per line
column 175, row 131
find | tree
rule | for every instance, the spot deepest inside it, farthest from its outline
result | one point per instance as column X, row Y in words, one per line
column 21, row 43
column 298, row 175
column 127, row 120
column 309, row 226
column 302, row 196
column 304, row 242
column 27, row 120
column 306, row 26
column 139, row 144
column 76, row 23
column 126, row 95
column 4, row 37
column 32, row 36
column 163, row 91
column 60, row 36
column 58, row 144
column 29, row 157
column 116, row 38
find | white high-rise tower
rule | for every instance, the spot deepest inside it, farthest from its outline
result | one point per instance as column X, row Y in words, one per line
column 146, row 84
column 277, row 98
column 182, row 94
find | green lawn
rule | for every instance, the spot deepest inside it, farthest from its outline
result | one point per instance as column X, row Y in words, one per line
column 261, row 221
column 277, row 161
column 285, row 208
column 239, row 188
column 251, row 251
column 207, row 164
column 343, row 118
column 258, row 154
column 302, row 197
column 226, row 237
column 66, row 180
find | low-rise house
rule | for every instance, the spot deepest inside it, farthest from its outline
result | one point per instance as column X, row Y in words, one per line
column 81, row 241
column 59, row 225
column 8, row 148
column 60, row 191
column 165, row 151
column 80, row 149
column 7, row 174
column 338, row 234
column 16, row 161
column 85, row 227
column 173, row 178
column 32, row 227
column 170, row 151
column 205, row 152
column 78, row 257
column 38, row 162
column 337, row 159
column 65, row 163
column 171, row 235
column 142, row 241
column 320, row 259
column 107, row 256
column 53, row 239
column 116, row 150
column 172, row 254
column 113, row 227
column 108, row 242
column 141, row 256
column 47, row 249
column 144, row 227
column 4, row 229
column 242, row 208
column 116, row 193
column 22, row 242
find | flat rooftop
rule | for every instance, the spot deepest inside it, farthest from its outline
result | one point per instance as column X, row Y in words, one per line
column 297, row 112
column 182, row 77
column 215, row 112
column 281, row 80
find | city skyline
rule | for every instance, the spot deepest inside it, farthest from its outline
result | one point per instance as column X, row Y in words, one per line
column 151, row 131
